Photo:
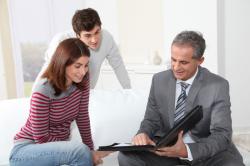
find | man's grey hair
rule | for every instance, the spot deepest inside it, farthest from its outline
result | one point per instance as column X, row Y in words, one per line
column 193, row 39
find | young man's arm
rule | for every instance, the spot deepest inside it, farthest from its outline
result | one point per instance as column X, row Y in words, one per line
column 115, row 60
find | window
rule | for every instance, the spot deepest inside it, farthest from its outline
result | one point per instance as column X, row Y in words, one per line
column 34, row 23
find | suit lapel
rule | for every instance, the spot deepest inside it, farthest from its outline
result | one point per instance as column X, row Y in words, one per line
column 171, row 99
column 194, row 91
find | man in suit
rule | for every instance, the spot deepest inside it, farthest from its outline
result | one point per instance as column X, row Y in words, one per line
column 173, row 93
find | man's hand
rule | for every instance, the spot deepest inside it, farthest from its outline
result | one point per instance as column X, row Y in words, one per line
column 177, row 150
column 142, row 139
column 98, row 155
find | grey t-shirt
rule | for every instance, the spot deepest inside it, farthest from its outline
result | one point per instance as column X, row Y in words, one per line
column 108, row 49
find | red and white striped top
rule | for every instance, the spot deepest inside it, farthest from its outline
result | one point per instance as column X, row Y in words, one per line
column 50, row 118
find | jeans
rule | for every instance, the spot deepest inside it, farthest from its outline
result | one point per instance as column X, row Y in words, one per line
column 70, row 153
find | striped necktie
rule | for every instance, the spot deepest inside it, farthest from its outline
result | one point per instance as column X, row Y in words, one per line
column 180, row 105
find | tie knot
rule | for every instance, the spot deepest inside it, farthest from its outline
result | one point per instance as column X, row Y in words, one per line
column 184, row 86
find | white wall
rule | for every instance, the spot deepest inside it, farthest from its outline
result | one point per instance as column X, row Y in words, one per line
column 136, row 26
column 61, row 13
column 140, row 29
column 237, row 36
column 192, row 15
column 107, row 11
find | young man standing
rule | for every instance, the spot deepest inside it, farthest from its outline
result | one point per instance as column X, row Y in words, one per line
column 86, row 24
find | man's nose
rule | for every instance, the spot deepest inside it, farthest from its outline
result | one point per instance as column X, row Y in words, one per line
column 93, row 39
column 176, row 65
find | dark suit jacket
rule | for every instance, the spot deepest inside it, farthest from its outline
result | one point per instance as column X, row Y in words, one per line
column 213, row 133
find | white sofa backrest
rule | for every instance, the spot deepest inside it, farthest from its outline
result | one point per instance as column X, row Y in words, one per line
column 116, row 115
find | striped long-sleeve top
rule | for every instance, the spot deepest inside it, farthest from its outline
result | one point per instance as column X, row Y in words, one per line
column 50, row 116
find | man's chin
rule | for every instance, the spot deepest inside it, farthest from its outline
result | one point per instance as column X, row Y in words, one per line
column 178, row 76
column 95, row 47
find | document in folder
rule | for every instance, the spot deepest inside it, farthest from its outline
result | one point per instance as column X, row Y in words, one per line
column 185, row 124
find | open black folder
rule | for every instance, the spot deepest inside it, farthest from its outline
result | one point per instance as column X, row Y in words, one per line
column 185, row 124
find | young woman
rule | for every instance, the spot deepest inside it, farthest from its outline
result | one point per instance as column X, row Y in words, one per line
column 60, row 97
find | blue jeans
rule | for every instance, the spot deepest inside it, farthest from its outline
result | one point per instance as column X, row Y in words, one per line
column 51, row 154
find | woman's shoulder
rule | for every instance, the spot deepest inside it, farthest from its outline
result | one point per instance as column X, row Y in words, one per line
column 43, row 87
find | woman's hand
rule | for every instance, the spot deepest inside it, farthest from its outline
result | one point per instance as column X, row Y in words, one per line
column 98, row 155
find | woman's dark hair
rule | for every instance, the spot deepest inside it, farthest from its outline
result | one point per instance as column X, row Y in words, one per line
column 85, row 20
column 67, row 52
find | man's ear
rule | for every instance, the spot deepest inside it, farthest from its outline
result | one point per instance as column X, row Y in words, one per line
column 78, row 36
column 201, row 60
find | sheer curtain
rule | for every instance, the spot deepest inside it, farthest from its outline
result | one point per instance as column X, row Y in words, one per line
column 9, row 87
column 32, row 25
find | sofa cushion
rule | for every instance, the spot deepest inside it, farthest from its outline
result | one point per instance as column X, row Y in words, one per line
column 13, row 115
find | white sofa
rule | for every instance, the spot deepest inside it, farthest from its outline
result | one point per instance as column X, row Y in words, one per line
column 115, row 117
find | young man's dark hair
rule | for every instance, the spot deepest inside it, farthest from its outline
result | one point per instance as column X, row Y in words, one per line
column 85, row 20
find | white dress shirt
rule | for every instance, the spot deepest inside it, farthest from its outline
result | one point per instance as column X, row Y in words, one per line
column 186, row 137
